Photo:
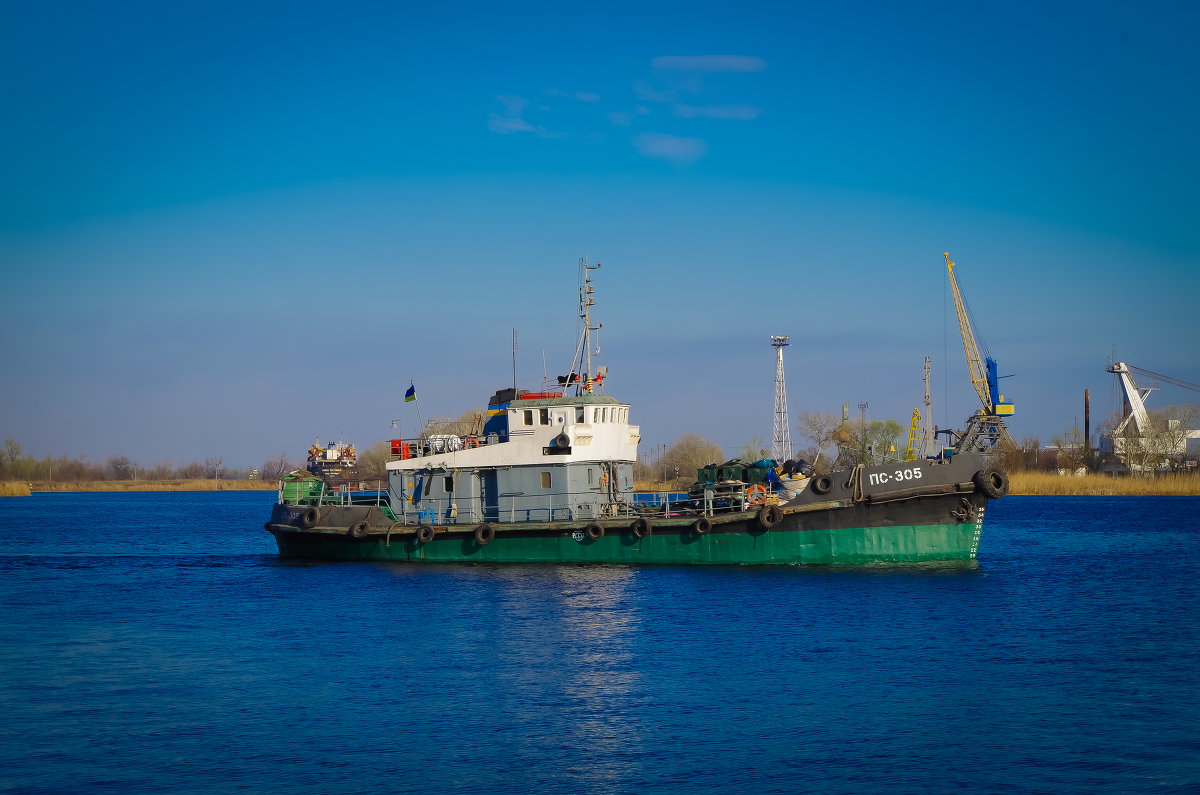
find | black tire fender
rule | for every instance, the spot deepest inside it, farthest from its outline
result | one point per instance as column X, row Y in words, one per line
column 702, row 526
column 641, row 527
column 360, row 530
column 992, row 482
column 485, row 533
column 769, row 516
column 309, row 517
column 594, row 531
column 267, row 526
column 424, row 533
column 822, row 484
column 562, row 440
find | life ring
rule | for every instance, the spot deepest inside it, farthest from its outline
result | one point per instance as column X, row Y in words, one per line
column 361, row 529
column 309, row 517
column 992, row 482
column 594, row 531
column 822, row 485
column 702, row 526
column 485, row 533
column 641, row 527
column 756, row 494
column 424, row 533
column 769, row 516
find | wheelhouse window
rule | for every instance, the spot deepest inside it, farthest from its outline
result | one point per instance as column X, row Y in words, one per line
column 545, row 416
column 449, row 484
column 579, row 413
column 529, row 416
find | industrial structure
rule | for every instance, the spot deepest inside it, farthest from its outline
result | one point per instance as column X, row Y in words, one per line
column 1133, row 440
column 985, row 429
column 781, row 437
column 919, row 428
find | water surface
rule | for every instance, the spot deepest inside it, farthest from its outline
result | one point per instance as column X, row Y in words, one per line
column 155, row 642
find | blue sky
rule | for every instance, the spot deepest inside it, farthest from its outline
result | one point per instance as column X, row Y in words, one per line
column 228, row 228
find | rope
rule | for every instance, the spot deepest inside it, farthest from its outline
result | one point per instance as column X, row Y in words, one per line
column 856, row 486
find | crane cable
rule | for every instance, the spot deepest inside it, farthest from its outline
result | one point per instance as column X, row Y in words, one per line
column 1174, row 381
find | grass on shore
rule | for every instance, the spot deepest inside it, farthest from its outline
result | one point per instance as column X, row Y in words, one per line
column 198, row 484
column 1041, row 483
column 1048, row 483
column 1165, row 484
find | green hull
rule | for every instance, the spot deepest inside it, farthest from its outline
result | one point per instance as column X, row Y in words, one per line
column 849, row 546
column 912, row 512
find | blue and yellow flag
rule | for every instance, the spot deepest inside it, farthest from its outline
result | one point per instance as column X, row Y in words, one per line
column 411, row 394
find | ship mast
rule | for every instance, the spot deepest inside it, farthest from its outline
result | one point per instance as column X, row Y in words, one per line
column 586, row 302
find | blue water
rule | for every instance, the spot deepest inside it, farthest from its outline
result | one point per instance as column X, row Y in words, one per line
column 155, row 643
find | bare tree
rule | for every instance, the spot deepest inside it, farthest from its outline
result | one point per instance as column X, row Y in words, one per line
column 753, row 450
column 12, row 451
column 867, row 443
column 194, row 470
column 819, row 428
column 120, row 467
column 691, row 452
column 1072, row 451
column 162, row 470
column 469, row 423
column 372, row 461
column 1162, row 442
column 213, row 468
column 275, row 468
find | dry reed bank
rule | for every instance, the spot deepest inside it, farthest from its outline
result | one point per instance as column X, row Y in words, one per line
column 1041, row 483
column 205, row 484
column 1167, row 484
column 1046, row 483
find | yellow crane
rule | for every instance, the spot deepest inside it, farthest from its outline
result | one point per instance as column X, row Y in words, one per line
column 985, row 428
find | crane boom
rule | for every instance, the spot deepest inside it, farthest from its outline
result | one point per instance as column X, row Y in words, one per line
column 982, row 370
column 985, row 430
column 975, row 366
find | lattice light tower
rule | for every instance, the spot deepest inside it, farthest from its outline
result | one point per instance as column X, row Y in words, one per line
column 781, row 439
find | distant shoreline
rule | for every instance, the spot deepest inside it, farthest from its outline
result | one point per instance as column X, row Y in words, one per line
column 23, row 489
column 1023, row 484
column 1047, row 484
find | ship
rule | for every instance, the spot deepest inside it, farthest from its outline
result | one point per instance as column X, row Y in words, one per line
column 549, row 479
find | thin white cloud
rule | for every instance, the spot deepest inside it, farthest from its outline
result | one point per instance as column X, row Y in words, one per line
column 709, row 63
column 581, row 96
column 672, row 148
column 507, row 124
column 736, row 112
column 625, row 118
column 510, row 118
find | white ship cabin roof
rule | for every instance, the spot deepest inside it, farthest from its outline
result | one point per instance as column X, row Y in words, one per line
column 535, row 431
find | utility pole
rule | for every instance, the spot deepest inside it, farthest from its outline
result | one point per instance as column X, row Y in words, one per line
column 862, row 438
column 928, row 414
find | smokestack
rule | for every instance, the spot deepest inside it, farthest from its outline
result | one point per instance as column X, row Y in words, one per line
column 1087, row 420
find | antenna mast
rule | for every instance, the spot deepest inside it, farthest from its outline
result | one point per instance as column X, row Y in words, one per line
column 586, row 302
column 781, row 438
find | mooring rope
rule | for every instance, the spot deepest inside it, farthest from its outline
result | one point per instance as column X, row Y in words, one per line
column 855, row 484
